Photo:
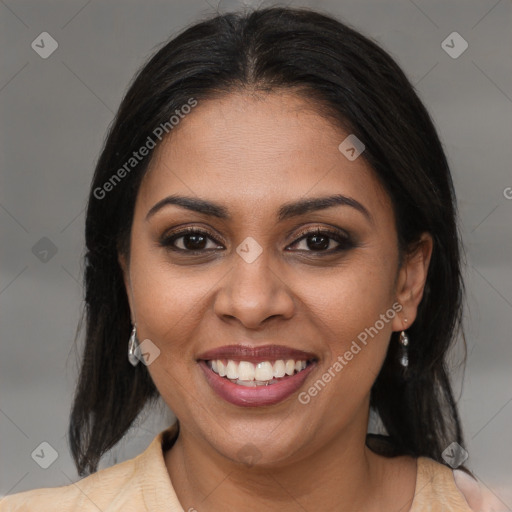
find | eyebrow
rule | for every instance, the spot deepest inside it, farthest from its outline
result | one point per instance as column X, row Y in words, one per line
column 286, row 211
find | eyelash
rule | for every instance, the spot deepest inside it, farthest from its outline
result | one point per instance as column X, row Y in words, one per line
column 343, row 240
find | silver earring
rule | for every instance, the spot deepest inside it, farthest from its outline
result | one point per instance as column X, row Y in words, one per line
column 404, row 357
column 133, row 347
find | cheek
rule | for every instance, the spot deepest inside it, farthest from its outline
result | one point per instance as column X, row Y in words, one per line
column 168, row 310
column 167, row 304
column 353, row 297
column 355, row 312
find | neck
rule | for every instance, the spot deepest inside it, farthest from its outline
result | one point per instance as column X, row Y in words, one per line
column 342, row 475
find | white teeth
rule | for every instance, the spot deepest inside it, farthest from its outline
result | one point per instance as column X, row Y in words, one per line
column 246, row 373
column 279, row 369
column 232, row 370
column 222, row 368
column 264, row 371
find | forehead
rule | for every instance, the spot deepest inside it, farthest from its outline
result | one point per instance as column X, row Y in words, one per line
column 252, row 151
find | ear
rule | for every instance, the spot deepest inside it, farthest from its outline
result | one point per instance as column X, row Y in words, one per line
column 411, row 281
column 125, row 269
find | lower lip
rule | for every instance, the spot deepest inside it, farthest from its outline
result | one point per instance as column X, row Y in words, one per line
column 255, row 396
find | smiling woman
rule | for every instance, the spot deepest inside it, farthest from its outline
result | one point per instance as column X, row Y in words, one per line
column 293, row 236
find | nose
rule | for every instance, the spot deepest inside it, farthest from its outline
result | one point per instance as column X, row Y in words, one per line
column 252, row 293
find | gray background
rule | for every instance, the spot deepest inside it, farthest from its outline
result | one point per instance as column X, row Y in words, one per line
column 55, row 113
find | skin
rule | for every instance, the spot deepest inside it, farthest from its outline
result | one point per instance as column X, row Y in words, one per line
column 253, row 153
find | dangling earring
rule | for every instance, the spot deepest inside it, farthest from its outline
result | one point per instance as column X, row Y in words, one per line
column 133, row 347
column 404, row 341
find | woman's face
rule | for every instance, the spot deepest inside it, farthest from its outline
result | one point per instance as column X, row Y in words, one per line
column 256, row 280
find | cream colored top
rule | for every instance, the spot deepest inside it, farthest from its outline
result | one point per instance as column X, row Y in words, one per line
column 143, row 484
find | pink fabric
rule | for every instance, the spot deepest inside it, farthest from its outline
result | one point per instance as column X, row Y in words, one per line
column 479, row 498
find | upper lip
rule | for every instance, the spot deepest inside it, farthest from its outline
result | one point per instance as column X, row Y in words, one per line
column 256, row 354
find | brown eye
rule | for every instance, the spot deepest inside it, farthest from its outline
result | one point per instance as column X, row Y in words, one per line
column 195, row 240
column 189, row 240
column 319, row 240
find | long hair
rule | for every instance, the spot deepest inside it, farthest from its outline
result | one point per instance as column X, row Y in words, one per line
column 357, row 85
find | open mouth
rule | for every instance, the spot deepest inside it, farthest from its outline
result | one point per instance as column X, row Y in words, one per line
column 256, row 376
column 265, row 373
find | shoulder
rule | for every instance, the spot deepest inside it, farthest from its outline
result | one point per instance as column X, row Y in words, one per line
column 93, row 492
column 141, row 483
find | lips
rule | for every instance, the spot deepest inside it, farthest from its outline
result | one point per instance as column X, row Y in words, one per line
column 256, row 376
column 255, row 354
